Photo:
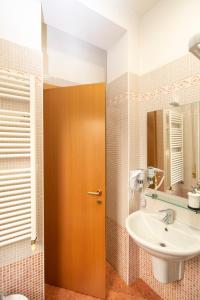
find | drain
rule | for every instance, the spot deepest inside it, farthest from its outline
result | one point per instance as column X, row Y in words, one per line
column 162, row 244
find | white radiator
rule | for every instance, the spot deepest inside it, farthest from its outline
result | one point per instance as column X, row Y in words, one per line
column 176, row 147
column 17, row 143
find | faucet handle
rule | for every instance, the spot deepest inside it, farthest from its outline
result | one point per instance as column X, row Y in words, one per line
column 194, row 189
column 169, row 215
column 167, row 210
column 162, row 210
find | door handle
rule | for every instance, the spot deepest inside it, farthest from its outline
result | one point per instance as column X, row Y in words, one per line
column 97, row 193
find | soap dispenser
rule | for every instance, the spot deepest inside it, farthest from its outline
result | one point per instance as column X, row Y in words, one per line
column 194, row 199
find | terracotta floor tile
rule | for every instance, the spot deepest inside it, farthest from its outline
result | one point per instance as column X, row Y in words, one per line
column 116, row 284
column 56, row 293
column 145, row 290
column 116, row 289
column 121, row 296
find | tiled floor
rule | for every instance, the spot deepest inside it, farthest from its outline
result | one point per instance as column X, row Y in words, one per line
column 116, row 289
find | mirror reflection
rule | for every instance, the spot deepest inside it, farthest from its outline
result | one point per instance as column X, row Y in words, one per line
column 173, row 146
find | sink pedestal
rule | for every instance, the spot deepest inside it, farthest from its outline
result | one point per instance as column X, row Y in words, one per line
column 167, row 271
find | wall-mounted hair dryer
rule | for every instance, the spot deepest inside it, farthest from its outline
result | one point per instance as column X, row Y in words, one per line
column 139, row 177
column 152, row 174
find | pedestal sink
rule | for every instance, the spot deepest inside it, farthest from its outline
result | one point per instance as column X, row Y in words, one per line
column 169, row 245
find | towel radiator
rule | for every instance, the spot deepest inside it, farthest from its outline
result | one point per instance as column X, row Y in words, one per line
column 17, row 144
column 176, row 147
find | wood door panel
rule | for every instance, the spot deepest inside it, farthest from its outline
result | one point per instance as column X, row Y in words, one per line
column 74, row 131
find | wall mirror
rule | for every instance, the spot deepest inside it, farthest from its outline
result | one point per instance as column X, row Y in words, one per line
column 173, row 146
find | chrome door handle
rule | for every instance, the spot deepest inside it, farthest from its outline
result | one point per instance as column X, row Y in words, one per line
column 97, row 193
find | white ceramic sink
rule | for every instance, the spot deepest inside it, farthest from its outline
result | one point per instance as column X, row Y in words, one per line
column 15, row 297
column 169, row 245
column 180, row 241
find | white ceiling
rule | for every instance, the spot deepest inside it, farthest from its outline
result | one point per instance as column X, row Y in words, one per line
column 75, row 18
column 98, row 22
column 126, row 7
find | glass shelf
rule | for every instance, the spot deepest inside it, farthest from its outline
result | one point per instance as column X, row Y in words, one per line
column 171, row 199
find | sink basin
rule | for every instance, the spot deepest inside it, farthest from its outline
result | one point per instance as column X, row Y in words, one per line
column 15, row 297
column 174, row 241
column 169, row 245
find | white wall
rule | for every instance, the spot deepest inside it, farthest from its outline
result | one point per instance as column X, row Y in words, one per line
column 115, row 10
column 165, row 32
column 117, row 59
column 20, row 22
column 133, row 44
column 122, row 57
column 71, row 59
column 76, row 19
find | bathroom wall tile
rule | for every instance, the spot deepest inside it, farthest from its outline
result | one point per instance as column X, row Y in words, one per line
column 117, row 143
column 25, row 277
column 134, row 263
column 120, row 124
column 132, row 119
column 117, row 87
column 186, row 289
column 117, row 247
column 175, row 71
column 117, row 149
column 19, row 58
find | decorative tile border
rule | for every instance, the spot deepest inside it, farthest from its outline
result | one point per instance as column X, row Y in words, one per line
column 169, row 89
column 184, row 67
column 117, row 87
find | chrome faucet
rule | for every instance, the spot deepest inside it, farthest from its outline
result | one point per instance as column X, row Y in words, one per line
column 169, row 215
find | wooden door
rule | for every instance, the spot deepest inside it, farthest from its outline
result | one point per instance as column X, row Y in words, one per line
column 74, row 164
